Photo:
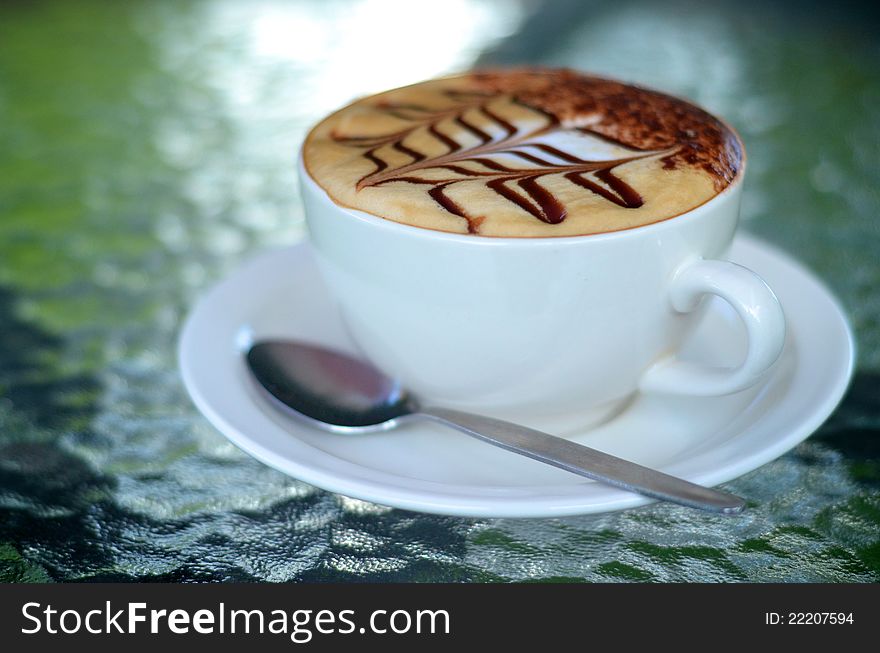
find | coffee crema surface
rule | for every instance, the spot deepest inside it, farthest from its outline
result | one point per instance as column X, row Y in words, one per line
column 522, row 153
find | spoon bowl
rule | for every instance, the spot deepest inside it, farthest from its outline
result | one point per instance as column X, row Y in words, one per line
column 331, row 390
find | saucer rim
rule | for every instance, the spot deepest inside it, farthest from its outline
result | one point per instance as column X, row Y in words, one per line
column 348, row 478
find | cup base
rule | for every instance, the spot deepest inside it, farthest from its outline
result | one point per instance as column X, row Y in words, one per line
column 565, row 424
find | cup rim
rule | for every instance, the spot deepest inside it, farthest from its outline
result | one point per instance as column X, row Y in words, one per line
column 471, row 240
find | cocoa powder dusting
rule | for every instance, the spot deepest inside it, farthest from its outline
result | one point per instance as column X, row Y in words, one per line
column 635, row 117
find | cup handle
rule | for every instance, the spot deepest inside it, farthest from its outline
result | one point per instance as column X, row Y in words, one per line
column 757, row 307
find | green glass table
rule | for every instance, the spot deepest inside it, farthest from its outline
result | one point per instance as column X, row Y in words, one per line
column 147, row 149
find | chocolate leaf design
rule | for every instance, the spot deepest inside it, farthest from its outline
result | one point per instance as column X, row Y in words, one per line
column 518, row 185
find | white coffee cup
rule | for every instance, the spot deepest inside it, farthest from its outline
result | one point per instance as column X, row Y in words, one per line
column 550, row 332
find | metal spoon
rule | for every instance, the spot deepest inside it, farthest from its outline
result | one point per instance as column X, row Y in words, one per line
column 334, row 392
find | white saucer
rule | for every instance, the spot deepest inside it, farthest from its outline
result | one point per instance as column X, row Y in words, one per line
column 432, row 469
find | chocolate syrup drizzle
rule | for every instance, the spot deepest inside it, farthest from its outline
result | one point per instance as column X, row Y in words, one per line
column 517, row 185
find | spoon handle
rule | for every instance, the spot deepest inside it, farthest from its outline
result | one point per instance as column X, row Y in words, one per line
column 585, row 461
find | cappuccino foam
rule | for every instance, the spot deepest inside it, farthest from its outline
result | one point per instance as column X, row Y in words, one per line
column 522, row 153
